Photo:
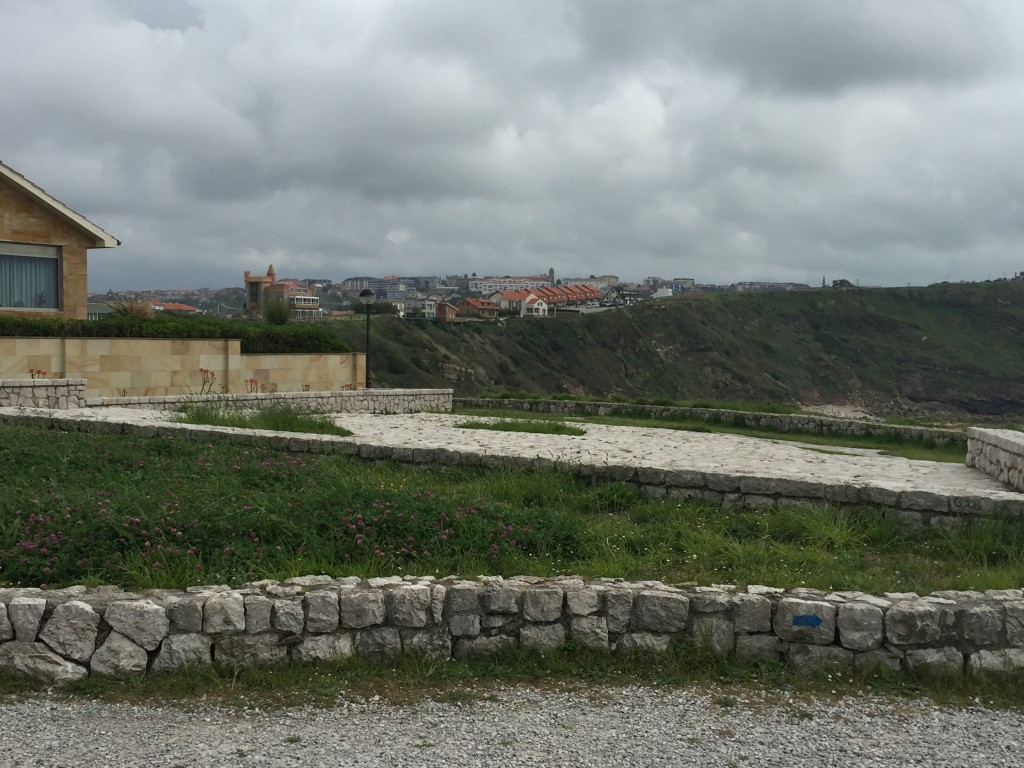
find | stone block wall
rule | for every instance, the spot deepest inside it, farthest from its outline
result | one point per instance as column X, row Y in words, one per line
column 774, row 422
column 60, row 636
column 998, row 453
column 42, row 393
column 125, row 367
column 348, row 401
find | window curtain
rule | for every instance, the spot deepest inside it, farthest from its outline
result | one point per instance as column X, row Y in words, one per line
column 29, row 281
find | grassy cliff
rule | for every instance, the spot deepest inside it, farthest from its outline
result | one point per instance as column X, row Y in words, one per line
column 944, row 347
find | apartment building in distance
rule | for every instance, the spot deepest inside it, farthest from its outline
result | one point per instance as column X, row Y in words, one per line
column 263, row 290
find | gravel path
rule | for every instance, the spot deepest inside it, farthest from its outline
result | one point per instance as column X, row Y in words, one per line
column 516, row 727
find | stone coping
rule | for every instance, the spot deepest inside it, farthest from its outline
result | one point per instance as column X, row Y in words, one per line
column 912, row 507
column 59, row 636
column 809, row 423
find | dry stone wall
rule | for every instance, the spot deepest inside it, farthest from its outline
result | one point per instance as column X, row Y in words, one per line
column 998, row 453
column 42, row 393
column 60, row 636
column 774, row 422
column 346, row 401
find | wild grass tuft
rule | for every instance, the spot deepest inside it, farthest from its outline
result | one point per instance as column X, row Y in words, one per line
column 524, row 425
column 277, row 417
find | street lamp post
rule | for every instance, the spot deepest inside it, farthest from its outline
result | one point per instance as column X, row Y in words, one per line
column 367, row 297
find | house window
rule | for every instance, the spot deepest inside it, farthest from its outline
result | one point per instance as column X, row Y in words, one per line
column 29, row 276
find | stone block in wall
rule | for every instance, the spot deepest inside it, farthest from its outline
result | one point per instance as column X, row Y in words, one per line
column 541, row 637
column 34, row 661
column 662, row 612
column 464, row 597
column 617, row 604
column 936, row 661
column 464, row 624
column 543, row 604
column 71, row 630
column 186, row 613
column 257, row 613
column 361, row 608
column 807, row 657
column 981, row 624
column 250, row 650
column 224, row 613
column 6, row 630
column 322, row 612
column 1014, row 623
column 752, row 613
column 141, row 621
column 642, row 644
column 501, row 598
column 805, row 621
column 26, row 616
column 339, row 645
column 407, row 605
column 707, row 600
column 432, row 644
column 874, row 660
column 437, row 600
column 916, row 622
column 287, row 616
column 180, row 651
column 861, row 626
column 381, row 644
column 760, row 647
column 715, row 631
column 590, row 632
column 118, row 657
column 999, row 661
column 477, row 647
column 582, row 602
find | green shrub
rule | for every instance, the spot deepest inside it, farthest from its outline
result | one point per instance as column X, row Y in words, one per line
column 256, row 338
column 277, row 313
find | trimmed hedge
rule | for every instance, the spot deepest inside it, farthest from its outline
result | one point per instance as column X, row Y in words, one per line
column 256, row 338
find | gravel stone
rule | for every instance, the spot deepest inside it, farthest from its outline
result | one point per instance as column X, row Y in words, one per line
column 517, row 728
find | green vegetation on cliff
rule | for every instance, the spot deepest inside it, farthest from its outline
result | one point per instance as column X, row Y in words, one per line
column 947, row 347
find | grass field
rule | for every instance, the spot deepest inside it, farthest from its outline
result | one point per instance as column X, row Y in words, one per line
column 155, row 512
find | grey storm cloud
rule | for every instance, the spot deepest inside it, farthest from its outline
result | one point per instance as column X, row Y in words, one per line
column 747, row 140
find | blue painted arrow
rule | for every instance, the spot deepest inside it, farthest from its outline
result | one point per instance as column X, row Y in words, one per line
column 807, row 620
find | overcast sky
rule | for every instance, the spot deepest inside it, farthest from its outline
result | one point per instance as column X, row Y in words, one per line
column 876, row 140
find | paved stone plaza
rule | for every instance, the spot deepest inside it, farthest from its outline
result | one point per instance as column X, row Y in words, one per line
column 642, row 447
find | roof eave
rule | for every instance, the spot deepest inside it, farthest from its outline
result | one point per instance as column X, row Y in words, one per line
column 102, row 238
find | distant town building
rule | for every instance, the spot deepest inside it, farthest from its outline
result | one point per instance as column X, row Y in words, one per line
column 488, row 285
column 262, row 290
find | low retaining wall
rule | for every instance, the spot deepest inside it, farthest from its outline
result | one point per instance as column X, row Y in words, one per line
column 349, row 401
column 64, row 635
column 998, row 453
column 911, row 511
column 70, row 393
column 774, row 422
column 42, row 393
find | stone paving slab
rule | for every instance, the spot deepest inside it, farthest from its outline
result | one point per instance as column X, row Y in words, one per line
column 671, row 449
